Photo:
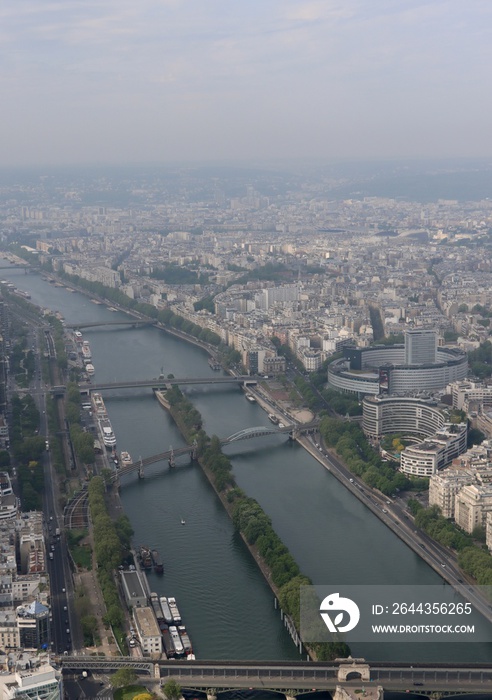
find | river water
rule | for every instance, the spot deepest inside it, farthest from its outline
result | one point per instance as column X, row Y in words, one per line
column 224, row 600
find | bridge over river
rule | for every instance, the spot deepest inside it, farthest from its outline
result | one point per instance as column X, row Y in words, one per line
column 246, row 434
column 95, row 324
column 293, row 679
column 164, row 383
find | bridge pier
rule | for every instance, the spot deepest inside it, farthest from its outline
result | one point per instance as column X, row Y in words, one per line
column 141, row 473
column 172, row 461
column 194, row 452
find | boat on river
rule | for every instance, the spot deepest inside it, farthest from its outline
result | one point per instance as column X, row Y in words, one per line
column 145, row 557
column 174, row 610
column 157, row 562
column 166, row 610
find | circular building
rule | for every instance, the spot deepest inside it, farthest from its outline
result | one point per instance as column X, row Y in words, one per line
column 417, row 365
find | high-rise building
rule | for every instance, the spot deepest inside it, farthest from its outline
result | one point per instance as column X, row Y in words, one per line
column 420, row 346
column 34, row 626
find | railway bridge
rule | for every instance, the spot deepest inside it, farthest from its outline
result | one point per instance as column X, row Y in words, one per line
column 296, row 678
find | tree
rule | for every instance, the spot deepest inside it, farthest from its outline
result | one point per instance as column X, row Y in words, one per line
column 89, row 629
column 172, row 690
column 123, row 677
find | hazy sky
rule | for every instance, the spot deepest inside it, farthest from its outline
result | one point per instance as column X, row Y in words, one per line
column 116, row 81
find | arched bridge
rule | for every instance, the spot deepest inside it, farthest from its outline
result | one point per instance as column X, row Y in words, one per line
column 259, row 431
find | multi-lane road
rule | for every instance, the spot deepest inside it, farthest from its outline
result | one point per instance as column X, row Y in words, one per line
column 393, row 513
column 58, row 566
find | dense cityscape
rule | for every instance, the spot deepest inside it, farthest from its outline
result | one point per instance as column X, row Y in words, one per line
column 371, row 313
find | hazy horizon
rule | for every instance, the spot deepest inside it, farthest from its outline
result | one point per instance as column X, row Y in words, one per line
column 168, row 81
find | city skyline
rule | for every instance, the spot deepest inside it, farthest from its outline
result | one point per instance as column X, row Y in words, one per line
column 164, row 81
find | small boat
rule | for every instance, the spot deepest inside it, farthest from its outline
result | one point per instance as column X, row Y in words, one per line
column 125, row 458
column 250, row 398
column 145, row 558
column 157, row 562
column 183, row 521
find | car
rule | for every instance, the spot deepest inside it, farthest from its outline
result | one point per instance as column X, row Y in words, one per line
column 443, row 566
column 384, row 510
column 65, row 607
column 417, row 683
column 351, row 481
column 63, row 590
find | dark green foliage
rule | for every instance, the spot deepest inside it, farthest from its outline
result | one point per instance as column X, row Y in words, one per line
column 206, row 303
column 451, row 336
column 480, row 360
column 172, row 320
column 177, row 274
column 183, row 412
column 123, row 677
column 376, row 323
column 362, row 460
column 441, row 529
column 110, row 541
column 274, row 272
column 228, row 356
column 172, row 690
column 89, row 629
column 475, row 437
column 342, row 403
column 393, row 339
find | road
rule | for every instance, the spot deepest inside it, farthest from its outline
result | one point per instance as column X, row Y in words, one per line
column 394, row 515
column 56, row 547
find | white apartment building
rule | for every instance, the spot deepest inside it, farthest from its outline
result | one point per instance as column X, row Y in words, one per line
column 9, row 630
column 444, row 487
column 148, row 631
column 466, row 391
column 472, row 504
column 430, row 455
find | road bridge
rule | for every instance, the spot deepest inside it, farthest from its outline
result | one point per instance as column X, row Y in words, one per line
column 259, row 431
column 163, row 383
column 125, row 322
column 295, row 678
column 18, row 266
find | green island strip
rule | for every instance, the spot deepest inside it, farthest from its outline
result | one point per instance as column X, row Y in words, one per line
column 112, row 545
column 255, row 527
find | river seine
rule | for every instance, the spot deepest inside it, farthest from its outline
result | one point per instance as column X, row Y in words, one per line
column 224, row 600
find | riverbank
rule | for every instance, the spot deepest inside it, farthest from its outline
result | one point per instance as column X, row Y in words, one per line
column 401, row 526
column 272, row 557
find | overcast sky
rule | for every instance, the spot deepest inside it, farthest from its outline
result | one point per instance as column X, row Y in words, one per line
column 119, row 81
